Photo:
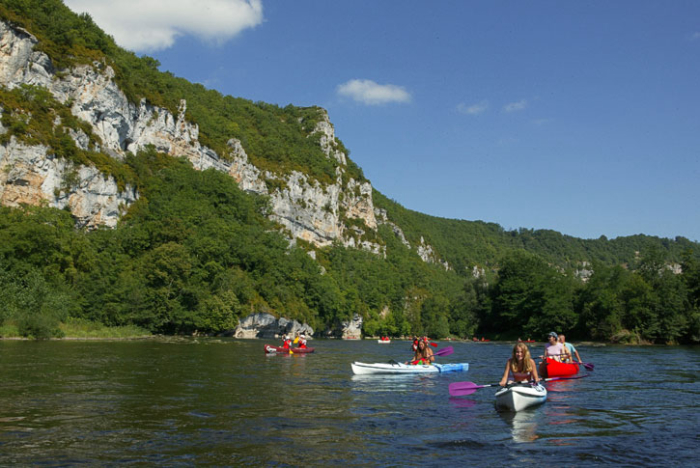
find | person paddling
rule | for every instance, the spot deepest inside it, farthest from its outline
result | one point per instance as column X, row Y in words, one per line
column 423, row 356
column 553, row 350
column 520, row 366
column 287, row 343
column 302, row 341
column 570, row 348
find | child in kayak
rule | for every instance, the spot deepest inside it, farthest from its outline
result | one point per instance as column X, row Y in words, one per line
column 287, row 343
column 520, row 366
column 423, row 356
column 302, row 341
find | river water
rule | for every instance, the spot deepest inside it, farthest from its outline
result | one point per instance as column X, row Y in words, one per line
column 222, row 402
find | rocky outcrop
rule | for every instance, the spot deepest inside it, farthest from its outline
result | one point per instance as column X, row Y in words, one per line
column 262, row 325
column 306, row 208
column 32, row 175
column 352, row 329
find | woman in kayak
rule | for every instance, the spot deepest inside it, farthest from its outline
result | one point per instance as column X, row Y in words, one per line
column 302, row 341
column 423, row 356
column 520, row 366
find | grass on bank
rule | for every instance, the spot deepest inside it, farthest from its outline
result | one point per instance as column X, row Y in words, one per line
column 78, row 328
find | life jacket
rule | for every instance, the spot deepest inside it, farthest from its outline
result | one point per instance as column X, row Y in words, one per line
column 287, row 344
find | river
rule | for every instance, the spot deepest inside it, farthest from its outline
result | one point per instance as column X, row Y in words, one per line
column 187, row 402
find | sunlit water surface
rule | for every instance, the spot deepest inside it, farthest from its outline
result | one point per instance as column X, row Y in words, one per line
column 224, row 402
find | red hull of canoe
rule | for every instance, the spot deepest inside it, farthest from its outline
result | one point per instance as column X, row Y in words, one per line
column 280, row 349
column 560, row 369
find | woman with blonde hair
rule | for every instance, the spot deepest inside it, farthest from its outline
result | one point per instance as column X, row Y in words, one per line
column 520, row 366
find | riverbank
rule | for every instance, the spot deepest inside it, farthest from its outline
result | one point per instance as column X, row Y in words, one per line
column 76, row 329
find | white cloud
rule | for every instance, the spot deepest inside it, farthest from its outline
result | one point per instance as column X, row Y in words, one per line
column 474, row 109
column 370, row 93
column 150, row 25
column 695, row 36
column 515, row 106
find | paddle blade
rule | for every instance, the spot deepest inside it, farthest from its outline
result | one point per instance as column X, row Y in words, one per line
column 589, row 366
column 463, row 388
column 444, row 351
column 296, row 340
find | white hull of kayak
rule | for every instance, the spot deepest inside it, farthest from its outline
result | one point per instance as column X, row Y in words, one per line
column 383, row 341
column 519, row 397
column 361, row 368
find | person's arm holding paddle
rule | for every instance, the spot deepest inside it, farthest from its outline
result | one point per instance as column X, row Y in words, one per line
column 429, row 354
column 504, row 379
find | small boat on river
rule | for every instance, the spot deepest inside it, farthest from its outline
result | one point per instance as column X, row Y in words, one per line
column 518, row 396
column 281, row 350
column 362, row 368
column 383, row 341
column 553, row 368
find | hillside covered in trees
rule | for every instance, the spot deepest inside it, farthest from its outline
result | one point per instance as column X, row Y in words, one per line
column 196, row 253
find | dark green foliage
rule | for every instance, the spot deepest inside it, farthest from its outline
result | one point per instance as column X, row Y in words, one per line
column 195, row 253
column 530, row 296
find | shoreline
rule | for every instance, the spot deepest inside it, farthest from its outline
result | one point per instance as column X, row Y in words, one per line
column 593, row 344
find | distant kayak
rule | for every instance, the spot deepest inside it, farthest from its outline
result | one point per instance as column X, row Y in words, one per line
column 361, row 368
column 383, row 341
column 279, row 349
column 516, row 397
column 559, row 369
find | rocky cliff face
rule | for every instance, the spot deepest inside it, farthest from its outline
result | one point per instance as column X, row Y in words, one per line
column 307, row 209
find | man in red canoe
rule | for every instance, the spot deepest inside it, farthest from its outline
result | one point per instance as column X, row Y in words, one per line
column 570, row 348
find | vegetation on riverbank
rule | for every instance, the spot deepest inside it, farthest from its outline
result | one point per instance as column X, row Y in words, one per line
column 196, row 253
column 74, row 328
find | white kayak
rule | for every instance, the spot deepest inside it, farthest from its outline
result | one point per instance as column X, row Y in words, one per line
column 383, row 341
column 516, row 397
column 399, row 368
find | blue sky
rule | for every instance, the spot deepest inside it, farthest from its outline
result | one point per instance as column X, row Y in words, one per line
column 581, row 117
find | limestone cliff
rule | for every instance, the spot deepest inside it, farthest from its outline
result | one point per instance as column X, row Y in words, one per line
column 308, row 210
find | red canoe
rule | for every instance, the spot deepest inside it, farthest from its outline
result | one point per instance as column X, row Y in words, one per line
column 280, row 349
column 560, row 369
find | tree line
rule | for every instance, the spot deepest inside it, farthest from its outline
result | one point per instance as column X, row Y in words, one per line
column 196, row 253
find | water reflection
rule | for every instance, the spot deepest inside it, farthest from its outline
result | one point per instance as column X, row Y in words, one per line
column 462, row 402
column 523, row 424
column 390, row 383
